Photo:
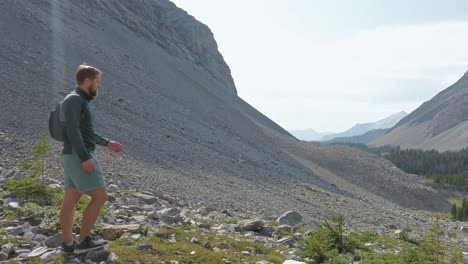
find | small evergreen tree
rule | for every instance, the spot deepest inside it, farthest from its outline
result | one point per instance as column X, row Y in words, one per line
column 453, row 212
column 432, row 243
column 460, row 215
column 38, row 166
column 464, row 208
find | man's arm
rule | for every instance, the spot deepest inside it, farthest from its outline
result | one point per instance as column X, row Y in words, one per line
column 71, row 108
column 100, row 140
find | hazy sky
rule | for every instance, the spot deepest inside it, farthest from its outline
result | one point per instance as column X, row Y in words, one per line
column 330, row 64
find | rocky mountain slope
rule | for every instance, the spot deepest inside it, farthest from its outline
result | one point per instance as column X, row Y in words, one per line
column 169, row 98
column 440, row 123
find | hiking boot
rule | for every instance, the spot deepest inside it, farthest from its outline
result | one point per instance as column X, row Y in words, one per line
column 66, row 248
column 89, row 244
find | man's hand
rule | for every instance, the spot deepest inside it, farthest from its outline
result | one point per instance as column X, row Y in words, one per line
column 115, row 146
column 88, row 165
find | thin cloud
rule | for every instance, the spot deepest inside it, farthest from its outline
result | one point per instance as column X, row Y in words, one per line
column 388, row 67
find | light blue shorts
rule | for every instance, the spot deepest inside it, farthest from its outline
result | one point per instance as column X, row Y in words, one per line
column 76, row 177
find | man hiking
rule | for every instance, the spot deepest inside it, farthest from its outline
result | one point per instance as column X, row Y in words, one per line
column 82, row 171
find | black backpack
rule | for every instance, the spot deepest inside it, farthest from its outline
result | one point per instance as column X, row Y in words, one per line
column 57, row 126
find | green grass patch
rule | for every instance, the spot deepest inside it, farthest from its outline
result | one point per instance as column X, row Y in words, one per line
column 164, row 250
column 42, row 205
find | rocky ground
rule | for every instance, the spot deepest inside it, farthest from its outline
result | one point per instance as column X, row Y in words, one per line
column 315, row 198
column 135, row 216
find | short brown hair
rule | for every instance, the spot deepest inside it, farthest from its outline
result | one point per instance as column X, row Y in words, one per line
column 86, row 72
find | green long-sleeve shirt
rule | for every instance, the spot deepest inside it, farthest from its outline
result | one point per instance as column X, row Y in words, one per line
column 78, row 113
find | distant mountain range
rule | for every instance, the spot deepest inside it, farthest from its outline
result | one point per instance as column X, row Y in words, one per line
column 363, row 139
column 356, row 130
column 440, row 123
column 309, row 134
column 360, row 129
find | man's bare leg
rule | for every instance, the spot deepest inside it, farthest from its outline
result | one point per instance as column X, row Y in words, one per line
column 91, row 213
column 67, row 213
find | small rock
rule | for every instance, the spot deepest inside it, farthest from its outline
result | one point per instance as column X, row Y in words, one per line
column 465, row 255
column 22, row 251
column 112, row 257
column 29, row 235
column 113, row 188
column 253, row 225
column 290, row 261
column 47, row 257
column 13, row 205
column 74, row 261
column 54, row 240
column 202, row 225
column 286, row 241
column 169, row 215
column 215, row 215
column 18, row 175
column 126, row 235
column 137, row 208
column 266, row 231
column 40, row 238
column 115, row 231
column 138, row 218
column 97, row 254
column 15, row 230
column 194, row 240
column 38, row 252
column 226, row 212
column 216, row 249
column 464, row 229
column 229, row 227
column 8, row 248
column 207, row 244
column 3, row 256
column 172, row 239
column 145, row 247
column 111, row 198
column 205, row 210
column 289, row 218
column 136, row 236
column 146, row 198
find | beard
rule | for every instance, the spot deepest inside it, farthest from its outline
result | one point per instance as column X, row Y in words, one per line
column 93, row 91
